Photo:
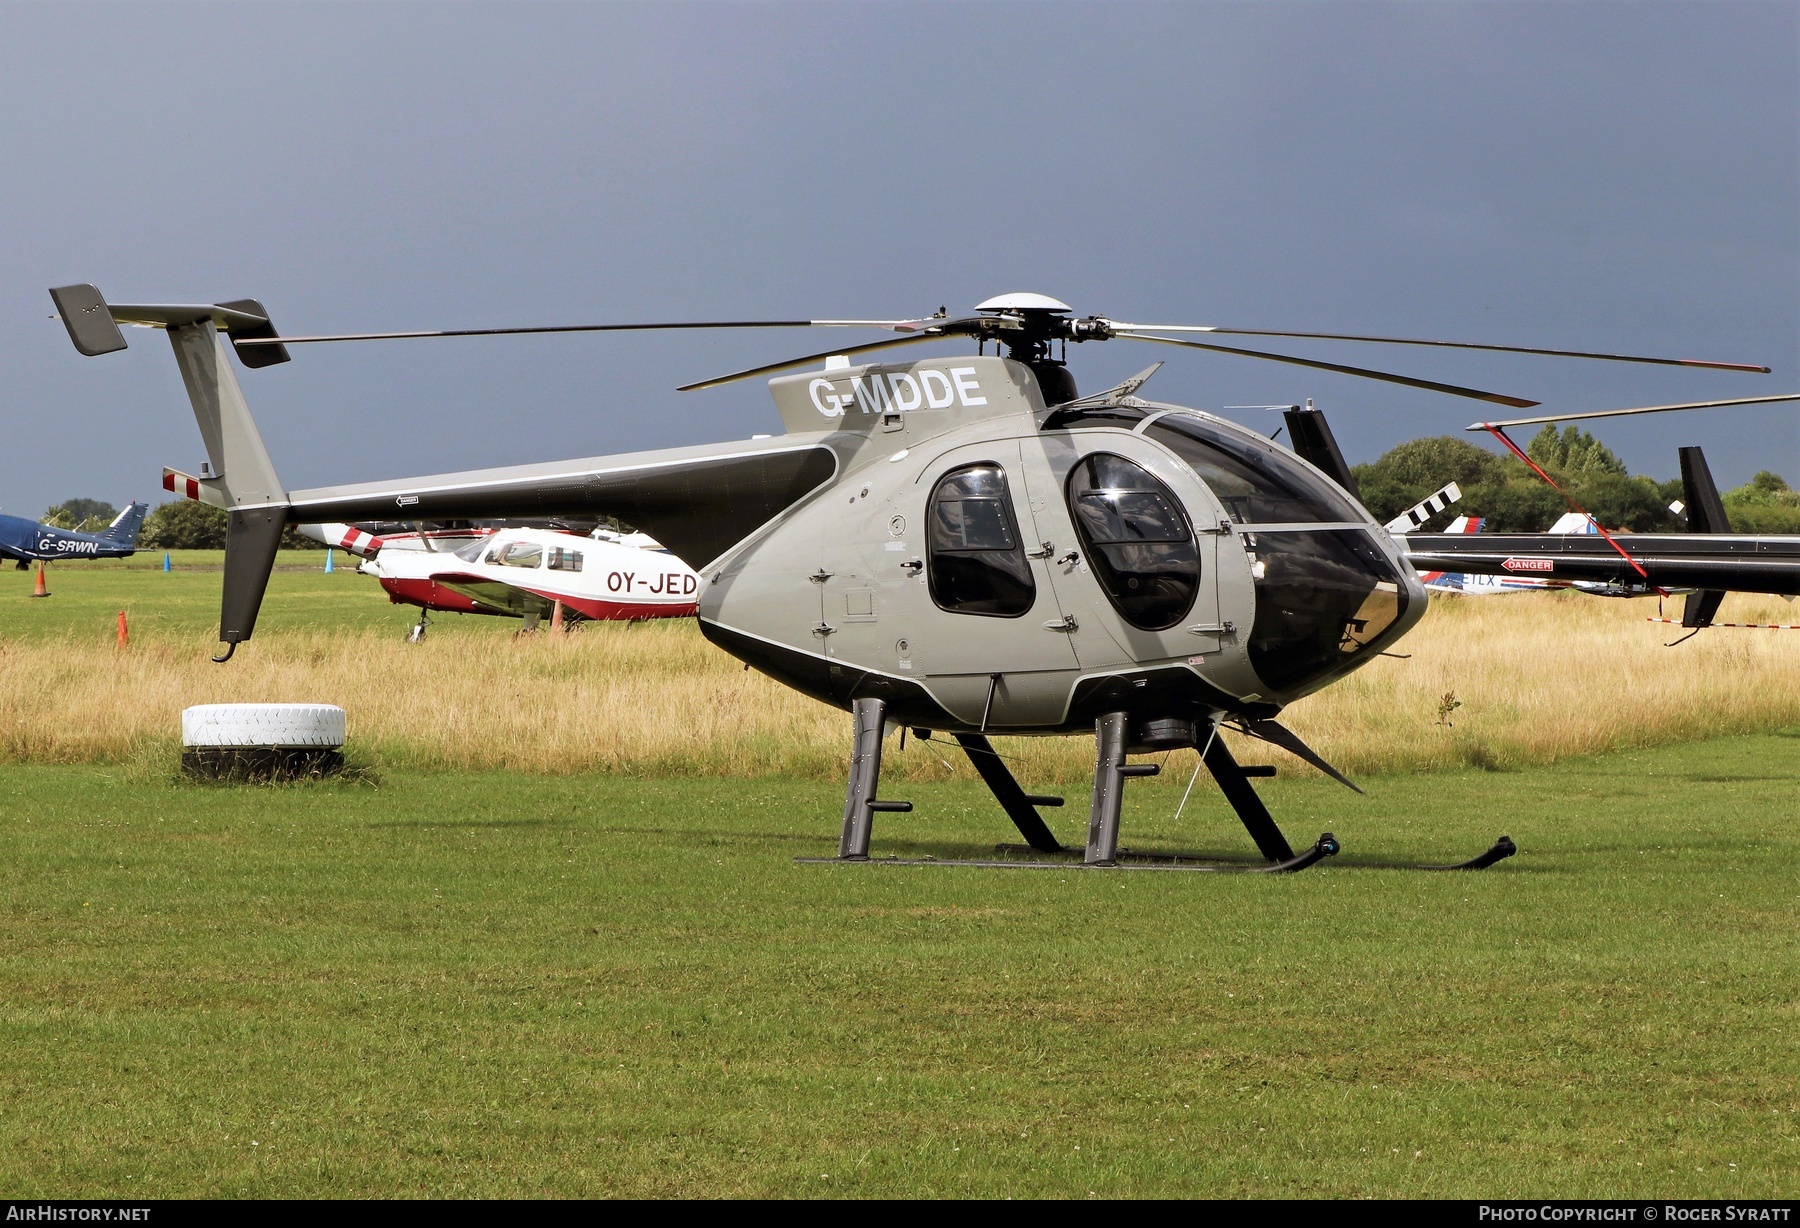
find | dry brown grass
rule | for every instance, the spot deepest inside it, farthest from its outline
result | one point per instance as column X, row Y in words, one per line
column 1537, row 677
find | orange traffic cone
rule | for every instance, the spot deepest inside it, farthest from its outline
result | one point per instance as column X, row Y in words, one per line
column 124, row 635
column 556, row 623
column 41, row 590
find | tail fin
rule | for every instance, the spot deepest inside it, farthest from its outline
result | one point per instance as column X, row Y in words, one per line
column 1705, row 510
column 1705, row 514
column 126, row 525
column 241, row 472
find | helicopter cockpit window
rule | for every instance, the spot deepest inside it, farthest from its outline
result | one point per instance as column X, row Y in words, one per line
column 1258, row 482
column 978, row 563
column 518, row 554
column 1138, row 541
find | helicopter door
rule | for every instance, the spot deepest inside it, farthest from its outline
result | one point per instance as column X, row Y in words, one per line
column 980, row 603
column 1135, row 549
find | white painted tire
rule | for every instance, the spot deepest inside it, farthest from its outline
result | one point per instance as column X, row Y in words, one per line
column 271, row 725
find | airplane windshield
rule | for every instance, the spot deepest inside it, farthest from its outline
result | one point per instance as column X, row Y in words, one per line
column 1257, row 482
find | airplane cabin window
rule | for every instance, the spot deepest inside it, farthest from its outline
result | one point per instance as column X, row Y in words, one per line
column 1257, row 482
column 1137, row 540
column 564, row 560
column 977, row 562
column 519, row 554
column 470, row 553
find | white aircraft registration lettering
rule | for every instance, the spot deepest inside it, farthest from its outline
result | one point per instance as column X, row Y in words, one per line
column 898, row 392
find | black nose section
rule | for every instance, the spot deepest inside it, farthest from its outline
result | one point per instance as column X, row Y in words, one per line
column 1323, row 599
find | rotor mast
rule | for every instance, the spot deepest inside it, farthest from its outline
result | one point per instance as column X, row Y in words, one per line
column 1037, row 321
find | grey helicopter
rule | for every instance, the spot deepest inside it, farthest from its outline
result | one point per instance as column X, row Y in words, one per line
column 954, row 546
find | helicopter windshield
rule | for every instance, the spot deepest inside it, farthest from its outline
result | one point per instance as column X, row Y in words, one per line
column 1257, row 482
column 1323, row 598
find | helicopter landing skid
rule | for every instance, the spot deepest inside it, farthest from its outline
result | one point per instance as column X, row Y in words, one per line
column 1325, row 846
column 1500, row 851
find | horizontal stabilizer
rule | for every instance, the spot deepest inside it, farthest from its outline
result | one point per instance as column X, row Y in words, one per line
column 93, row 323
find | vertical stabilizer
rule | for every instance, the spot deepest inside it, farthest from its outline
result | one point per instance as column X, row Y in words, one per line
column 1315, row 444
column 1705, row 514
column 124, row 529
column 1705, row 510
column 240, row 463
column 241, row 478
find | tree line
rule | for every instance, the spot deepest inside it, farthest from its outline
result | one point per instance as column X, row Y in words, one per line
column 182, row 524
column 1515, row 500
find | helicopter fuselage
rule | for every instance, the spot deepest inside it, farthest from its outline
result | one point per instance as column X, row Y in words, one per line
column 987, row 563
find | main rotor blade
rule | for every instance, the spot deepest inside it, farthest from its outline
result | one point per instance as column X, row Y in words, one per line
column 1642, row 409
column 807, row 361
column 1432, row 385
column 1452, row 345
column 583, row 328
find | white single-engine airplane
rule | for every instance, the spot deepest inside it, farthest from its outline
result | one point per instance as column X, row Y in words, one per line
column 522, row 573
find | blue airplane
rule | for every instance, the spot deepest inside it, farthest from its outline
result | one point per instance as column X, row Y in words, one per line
column 26, row 540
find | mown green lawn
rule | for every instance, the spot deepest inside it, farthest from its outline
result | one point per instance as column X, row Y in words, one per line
column 86, row 597
column 511, row 985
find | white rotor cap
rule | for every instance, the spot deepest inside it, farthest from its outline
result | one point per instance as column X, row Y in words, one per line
column 1023, row 301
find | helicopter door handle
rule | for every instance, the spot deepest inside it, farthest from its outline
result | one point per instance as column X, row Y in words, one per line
column 913, row 567
column 1065, row 623
column 824, row 629
column 1069, row 559
column 1049, row 548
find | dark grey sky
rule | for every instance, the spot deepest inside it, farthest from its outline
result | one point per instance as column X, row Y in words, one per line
column 1589, row 176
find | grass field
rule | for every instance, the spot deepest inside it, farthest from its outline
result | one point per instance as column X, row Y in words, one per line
column 512, row 984
column 554, row 941
column 1534, row 678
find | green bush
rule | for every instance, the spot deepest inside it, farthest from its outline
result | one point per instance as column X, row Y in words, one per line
column 81, row 515
column 186, row 525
